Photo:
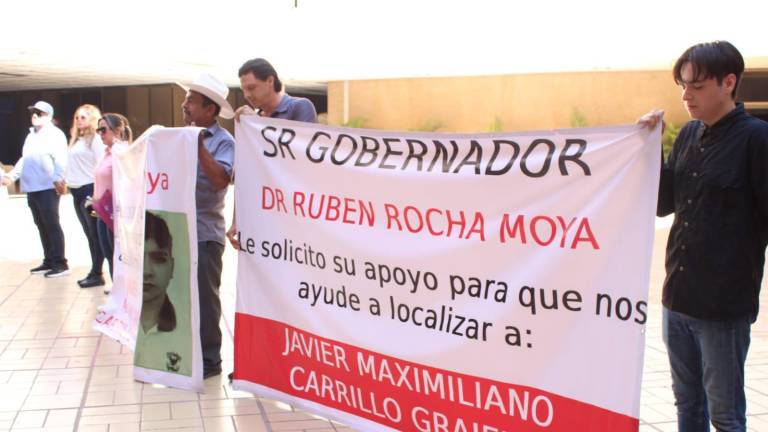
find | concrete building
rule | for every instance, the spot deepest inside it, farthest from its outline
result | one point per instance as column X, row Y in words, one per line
column 144, row 105
column 523, row 101
column 448, row 104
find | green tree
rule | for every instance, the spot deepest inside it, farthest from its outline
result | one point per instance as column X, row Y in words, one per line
column 496, row 125
column 668, row 139
column 430, row 125
column 355, row 122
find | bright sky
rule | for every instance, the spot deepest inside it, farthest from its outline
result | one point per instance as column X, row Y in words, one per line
column 349, row 39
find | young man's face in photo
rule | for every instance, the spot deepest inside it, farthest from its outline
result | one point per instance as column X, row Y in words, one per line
column 158, row 270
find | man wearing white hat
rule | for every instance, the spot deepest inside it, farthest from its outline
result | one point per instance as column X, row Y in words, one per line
column 206, row 99
column 42, row 163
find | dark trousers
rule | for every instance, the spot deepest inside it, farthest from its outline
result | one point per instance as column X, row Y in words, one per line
column 106, row 241
column 44, row 205
column 88, row 223
column 209, row 254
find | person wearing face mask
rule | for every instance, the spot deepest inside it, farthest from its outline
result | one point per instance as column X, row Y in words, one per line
column 85, row 150
column 41, row 166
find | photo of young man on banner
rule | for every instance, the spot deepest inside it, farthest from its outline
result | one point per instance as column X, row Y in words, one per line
column 153, row 308
column 168, row 329
column 164, row 337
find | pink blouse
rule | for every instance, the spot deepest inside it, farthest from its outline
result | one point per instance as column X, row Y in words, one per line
column 103, row 202
column 103, row 175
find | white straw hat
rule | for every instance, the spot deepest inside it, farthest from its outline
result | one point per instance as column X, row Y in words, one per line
column 215, row 90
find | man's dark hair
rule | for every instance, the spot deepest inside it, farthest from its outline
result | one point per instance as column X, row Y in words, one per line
column 261, row 69
column 208, row 101
column 155, row 228
column 716, row 59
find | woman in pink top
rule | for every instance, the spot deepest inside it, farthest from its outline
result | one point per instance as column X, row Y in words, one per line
column 112, row 128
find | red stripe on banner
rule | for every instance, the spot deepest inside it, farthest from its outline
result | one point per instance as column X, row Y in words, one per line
column 400, row 394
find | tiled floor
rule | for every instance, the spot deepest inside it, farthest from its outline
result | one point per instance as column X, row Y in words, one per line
column 57, row 374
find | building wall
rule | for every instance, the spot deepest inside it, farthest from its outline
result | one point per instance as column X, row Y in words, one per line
column 519, row 102
column 144, row 106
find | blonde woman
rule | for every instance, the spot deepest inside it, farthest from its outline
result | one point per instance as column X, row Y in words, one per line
column 85, row 150
column 111, row 128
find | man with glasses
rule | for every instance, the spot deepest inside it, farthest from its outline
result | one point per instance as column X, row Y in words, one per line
column 41, row 168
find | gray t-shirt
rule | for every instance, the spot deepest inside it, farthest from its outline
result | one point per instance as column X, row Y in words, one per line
column 210, row 202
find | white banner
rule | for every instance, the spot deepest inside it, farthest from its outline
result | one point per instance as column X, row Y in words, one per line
column 168, row 348
column 153, row 307
column 432, row 282
column 118, row 317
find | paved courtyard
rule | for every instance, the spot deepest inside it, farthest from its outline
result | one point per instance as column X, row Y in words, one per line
column 57, row 374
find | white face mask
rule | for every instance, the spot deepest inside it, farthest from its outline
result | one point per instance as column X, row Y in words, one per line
column 38, row 121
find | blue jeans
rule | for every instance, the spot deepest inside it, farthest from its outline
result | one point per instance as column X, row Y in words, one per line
column 707, row 361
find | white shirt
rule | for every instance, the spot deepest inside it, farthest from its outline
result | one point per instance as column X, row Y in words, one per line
column 43, row 159
column 81, row 161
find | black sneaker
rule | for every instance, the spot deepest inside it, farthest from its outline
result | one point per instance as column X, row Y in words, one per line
column 58, row 272
column 41, row 269
column 92, row 280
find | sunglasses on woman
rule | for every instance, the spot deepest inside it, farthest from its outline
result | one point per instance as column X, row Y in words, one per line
column 102, row 130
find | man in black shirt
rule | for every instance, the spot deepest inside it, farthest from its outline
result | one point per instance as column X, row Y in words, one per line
column 716, row 182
